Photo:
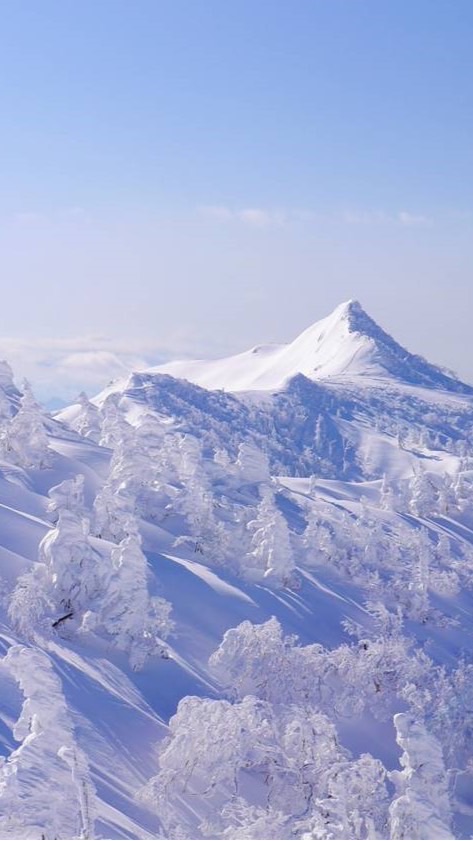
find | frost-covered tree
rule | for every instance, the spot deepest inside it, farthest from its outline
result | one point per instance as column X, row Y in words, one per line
column 88, row 420
column 137, row 484
column 270, row 558
column 110, row 513
column 68, row 495
column 356, row 804
column 45, row 786
column 419, row 586
column 386, row 495
column 117, row 499
column 461, row 491
column 260, row 660
column 25, row 441
column 114, row 426
column 316, row 540
column 196, row 502
column 215, row 748
column 421, row 808
column 223, row 460
column 252, row 464
column 344, row 681
column 264, row 768
column 313, row 485
column 62, row 586
column 136, row 621
column 423, row 494
column 444, row 701
column 7, row 388
column 74, row 586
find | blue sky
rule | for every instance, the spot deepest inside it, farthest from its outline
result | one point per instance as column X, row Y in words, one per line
column 183, row 177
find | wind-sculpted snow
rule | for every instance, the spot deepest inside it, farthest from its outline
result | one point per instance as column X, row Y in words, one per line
column 241, row 614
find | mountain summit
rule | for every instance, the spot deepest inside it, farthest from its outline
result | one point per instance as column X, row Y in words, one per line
column 345, row 345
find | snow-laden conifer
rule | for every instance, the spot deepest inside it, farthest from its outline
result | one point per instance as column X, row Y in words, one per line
column 422, row 808
column 25, row 441
column 270, row 557
column 136, row 621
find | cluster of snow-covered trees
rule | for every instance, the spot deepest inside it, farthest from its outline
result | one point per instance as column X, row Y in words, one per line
column 406, row 561
column 76, row 586
column 266, row 771
column 167, row 477
column 267, row 761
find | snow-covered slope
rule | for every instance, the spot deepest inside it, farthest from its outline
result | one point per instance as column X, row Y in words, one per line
column 346, row 344
column 149, row 671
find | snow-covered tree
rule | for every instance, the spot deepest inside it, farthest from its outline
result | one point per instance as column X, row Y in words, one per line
column 114, row 426
column 344, row 681
column 261, row 660
column 270, row 557
column 117, row 499
column 136, row 621
column 356, row 803
column 215, row 747
column 423, row 494
column 7, row 388
column 461, row 491
column 45, row 786
column 386, row 495
column 311, row 540
column 61, row 587
column 25, row 441
column 422, row 808
column 265, row 767
column 195, row 501
column 68, row 495
column 137, row 480
column 252, row 464
column 88, row 421
column 412, row 582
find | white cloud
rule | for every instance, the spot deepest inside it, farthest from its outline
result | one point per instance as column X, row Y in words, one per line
column 413, row 219
column 377, row 217
column 63, row 367
column 259, row 218
column 255, row 217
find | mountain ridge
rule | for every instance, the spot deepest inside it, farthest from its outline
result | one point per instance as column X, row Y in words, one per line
column 346, row 344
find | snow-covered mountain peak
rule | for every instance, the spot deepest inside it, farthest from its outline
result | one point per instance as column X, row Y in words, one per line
column 347, row 344
column 347, row 309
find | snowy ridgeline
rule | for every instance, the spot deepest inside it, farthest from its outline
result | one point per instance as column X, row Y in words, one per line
column 196, row 647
